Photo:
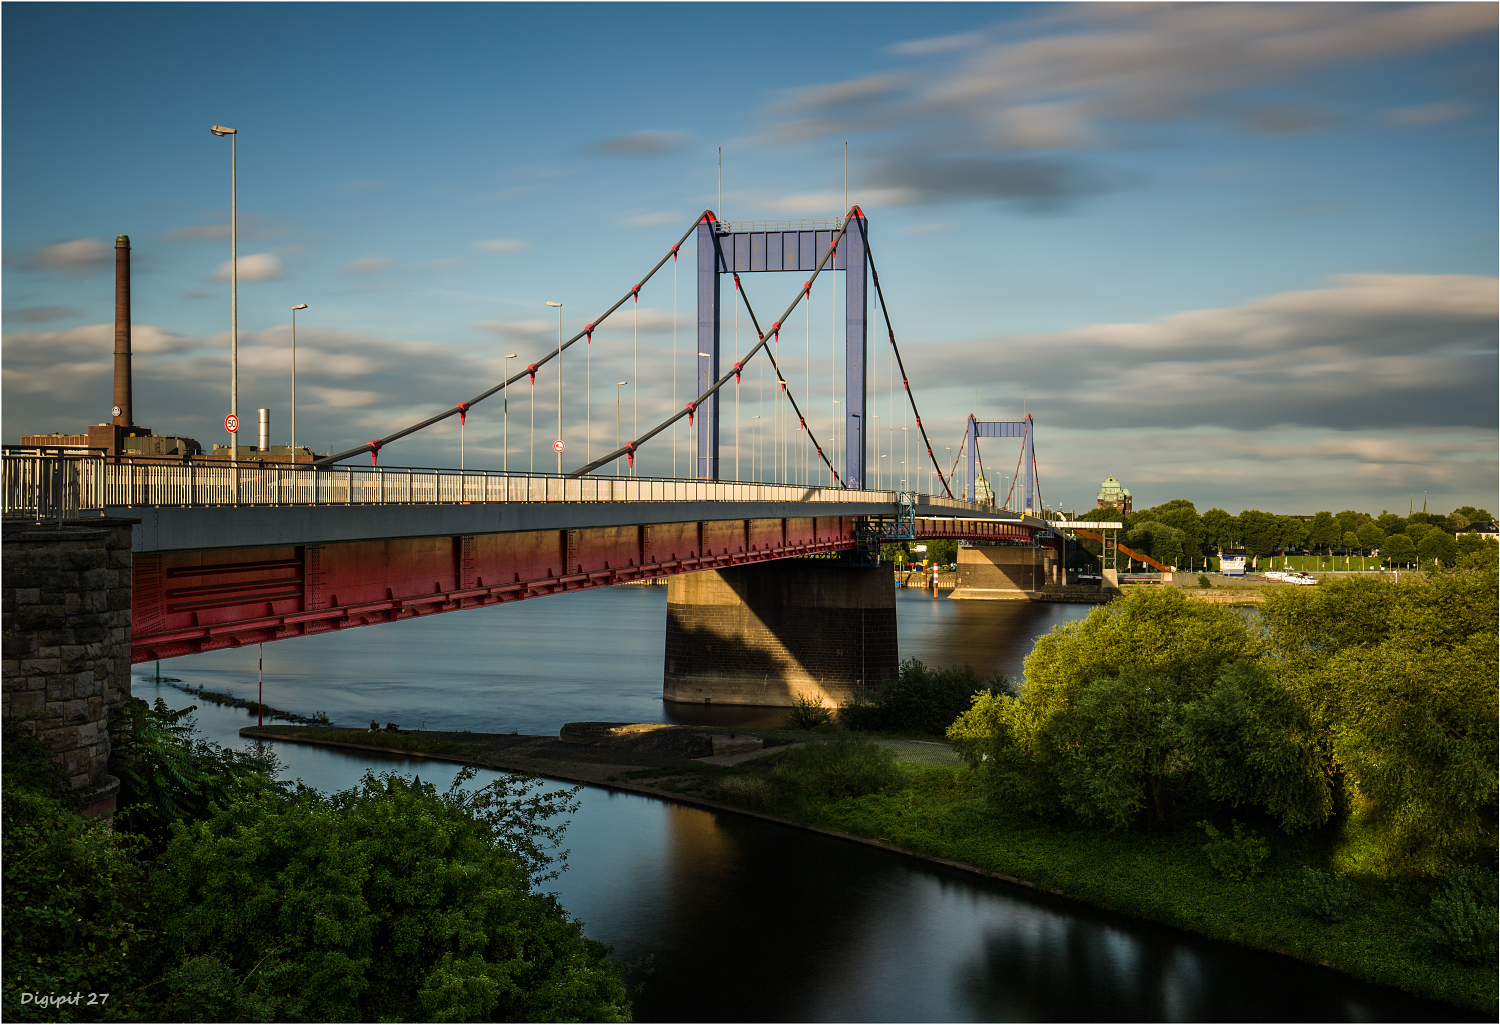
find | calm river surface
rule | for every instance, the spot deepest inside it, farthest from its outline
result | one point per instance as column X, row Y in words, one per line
column 745, row 920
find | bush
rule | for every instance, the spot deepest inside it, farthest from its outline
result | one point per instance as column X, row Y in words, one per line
column 1238, row 856
column 1325, row 895
column 809, row 714
column 1464, row 914
column 74, row 916
column 919, row 700
column 387, row 901
column 1204, row 582
column 746, row 790
column 844, row 767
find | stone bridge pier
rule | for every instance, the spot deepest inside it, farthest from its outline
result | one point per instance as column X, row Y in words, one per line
column 66, row 613
column 771, row 633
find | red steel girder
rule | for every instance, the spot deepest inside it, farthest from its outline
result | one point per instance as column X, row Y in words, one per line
column 195, row 601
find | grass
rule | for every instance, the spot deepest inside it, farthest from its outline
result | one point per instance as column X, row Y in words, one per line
column 379, row 738
column 1160, row 876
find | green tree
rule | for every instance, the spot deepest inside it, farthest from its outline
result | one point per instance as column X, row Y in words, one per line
column 387, row 901
column 942, row 553
column 1181, row 515
column 1323, row 531
column 1417, row 530
column 1351, row 541
column 1390, row 523
column 1476, row 552
column 1474, row 515
column 1259, row 532
column 1398, row 550
column 1292, row 532
column 75, row 916
column 1370, row 537
column 1165, row 544
column 1219, row 529
column 1350, row 521
column 1438, row 547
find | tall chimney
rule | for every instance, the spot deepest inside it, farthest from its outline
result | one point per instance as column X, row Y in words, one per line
column 123, row 414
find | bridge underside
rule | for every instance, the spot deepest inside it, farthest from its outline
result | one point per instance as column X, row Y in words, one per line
column 186, row 602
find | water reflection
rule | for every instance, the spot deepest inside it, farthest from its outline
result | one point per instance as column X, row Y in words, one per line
column 745, row 920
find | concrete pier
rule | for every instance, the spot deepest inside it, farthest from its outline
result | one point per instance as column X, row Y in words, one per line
column 1001, row 572
column 66, row 658
column 771, row 633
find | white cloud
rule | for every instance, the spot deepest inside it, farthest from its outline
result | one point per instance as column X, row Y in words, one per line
column 79, row 255
column 369, row 265
column 501, row 245
column 1426, row 114
column 253, row 267
column 651, row 142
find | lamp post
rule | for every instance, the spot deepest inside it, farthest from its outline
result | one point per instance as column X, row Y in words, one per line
column 755, row 451
column 234, row 288
column 559, row 384
column 299, row 306
column 505, row 416
column 618, row 386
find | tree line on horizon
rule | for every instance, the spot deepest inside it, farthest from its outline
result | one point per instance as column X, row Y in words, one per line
column 1176, row 533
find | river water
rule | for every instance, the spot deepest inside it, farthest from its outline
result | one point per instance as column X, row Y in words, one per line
column 732, row 918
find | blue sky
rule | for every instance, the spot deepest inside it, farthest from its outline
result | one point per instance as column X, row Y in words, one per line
column 1243, row 254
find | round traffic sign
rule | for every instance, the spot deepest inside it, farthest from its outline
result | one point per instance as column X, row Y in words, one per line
column 558, row 445
column 231, row 423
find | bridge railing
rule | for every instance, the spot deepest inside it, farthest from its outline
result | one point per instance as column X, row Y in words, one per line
column 43, row 484
column 52, row 485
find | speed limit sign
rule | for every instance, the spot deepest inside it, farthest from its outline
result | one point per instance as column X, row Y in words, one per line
column 557, row 445
column 231, row 423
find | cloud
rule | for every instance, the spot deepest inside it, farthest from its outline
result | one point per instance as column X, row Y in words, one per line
column 534, row 331
column 1426, row 114
column 369, row 265
column 251, row 225
column 928, row 228
column 1089, row 76
column 648, row 143
column 652, row 220
column 1351, row 356
column 502, row 245
column 42, row 314
column 253, row 267
column 1034, row 183
column 79, row 256
column 938, row 44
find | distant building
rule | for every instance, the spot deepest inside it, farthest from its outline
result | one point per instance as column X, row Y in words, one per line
column 1114, row 495
column 1490, row 530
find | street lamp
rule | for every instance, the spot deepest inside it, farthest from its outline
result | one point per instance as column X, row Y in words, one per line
column 755, row 450
column 505, row 404
column 299, row 306
column 559, row 385
column 618, row 386
column 234, row 288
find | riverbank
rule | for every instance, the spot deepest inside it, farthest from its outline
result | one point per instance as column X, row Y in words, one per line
column 940, row 817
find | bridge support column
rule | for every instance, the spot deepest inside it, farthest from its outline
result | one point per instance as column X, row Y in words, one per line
column 1000, row 572
column 66, row 659
column 771, row 633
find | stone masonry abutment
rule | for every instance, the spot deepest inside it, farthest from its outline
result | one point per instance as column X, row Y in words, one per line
column 66, row 652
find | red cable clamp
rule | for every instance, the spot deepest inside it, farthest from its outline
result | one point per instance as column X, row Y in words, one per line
column 737, row 368
column 375, row 447
column 630, row 454
column 776, row 328
column 674, row 251
column 803, row 420
column 532, row 371
column 636, row 291
column 589, row 332
column 691, row 408
column 783, row 386
column 463, row 412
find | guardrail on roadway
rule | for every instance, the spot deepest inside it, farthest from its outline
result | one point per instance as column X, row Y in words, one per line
column 49, row 485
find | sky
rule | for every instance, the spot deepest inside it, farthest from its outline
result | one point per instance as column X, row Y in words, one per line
column 1242, row 254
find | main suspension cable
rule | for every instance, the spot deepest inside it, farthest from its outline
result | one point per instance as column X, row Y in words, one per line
column 374, row 447
column 629, row 449
column 891, row 333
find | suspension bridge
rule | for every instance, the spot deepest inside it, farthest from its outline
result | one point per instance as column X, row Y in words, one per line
column 226, row 555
